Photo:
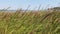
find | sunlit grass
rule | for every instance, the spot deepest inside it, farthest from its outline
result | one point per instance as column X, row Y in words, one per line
column 30, row 22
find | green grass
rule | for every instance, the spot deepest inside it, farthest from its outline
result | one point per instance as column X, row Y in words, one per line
column 30, row 22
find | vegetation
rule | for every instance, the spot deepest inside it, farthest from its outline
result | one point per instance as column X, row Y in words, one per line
column 38, row 22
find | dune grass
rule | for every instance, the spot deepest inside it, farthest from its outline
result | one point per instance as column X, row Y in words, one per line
column 30, row 22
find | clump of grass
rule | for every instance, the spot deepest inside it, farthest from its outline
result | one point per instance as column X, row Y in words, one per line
column 30, row 22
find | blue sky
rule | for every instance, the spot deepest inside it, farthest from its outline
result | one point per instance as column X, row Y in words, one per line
column 34, row 4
